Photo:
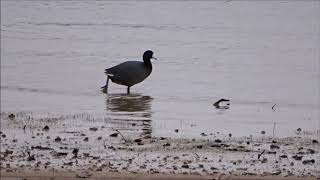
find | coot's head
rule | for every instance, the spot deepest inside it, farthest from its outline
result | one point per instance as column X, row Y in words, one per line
column 148, row 55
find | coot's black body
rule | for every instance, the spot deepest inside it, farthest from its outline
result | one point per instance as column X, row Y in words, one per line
column 130, row 73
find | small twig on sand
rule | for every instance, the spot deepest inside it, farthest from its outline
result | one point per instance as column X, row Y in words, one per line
column 274, row 128
column 259, row 155
column 273, row 107
column 121, row 135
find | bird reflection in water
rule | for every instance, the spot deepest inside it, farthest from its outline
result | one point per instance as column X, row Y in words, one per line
column 130, row 113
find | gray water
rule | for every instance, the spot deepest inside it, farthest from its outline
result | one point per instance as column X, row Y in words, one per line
column 256, row 53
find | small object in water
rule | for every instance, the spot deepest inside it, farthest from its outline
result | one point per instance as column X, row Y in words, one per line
column 137, row 140
column 230, row 135
column 45, row 128
column 11, row 116
column 298, row 131
column 314, row 141
column 217, row 141
column 273, row 107
column 130, row 73
column 263, row 132
column 203, row 134
column 218, row 106
column 176, row 130
column 86, row 139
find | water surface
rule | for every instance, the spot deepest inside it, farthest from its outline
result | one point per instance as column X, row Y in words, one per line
column 256, row 53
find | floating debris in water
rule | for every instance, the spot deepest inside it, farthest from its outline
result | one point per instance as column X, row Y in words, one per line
column 218, row 106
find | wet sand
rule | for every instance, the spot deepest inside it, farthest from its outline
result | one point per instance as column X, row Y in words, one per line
column 125, row 176
column 64, row 150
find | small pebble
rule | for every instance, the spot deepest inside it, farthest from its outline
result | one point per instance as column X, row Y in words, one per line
column 283, row 156
column 186, row 166
column 114, row 135
column 93, row 129
column 45, row 128
column 57, row 139
column 297, row 158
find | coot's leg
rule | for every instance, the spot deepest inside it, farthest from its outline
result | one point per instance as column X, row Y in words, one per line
column 105, row 88
column 128, row 90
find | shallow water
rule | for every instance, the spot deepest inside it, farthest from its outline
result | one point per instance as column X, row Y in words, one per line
column 257, row 54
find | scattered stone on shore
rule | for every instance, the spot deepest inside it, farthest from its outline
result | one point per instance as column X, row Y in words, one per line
column 45, row 128
column 309, row 161
column 272, row 146
column 114, row 135
column 93, row 129
column 297, row 158
column 57, row 139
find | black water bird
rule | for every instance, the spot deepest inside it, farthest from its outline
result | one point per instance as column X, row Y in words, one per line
column 130, row 73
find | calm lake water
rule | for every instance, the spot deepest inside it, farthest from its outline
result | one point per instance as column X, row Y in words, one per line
column 256, row 53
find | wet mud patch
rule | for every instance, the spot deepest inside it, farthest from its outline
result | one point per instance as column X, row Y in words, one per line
column 78, row 142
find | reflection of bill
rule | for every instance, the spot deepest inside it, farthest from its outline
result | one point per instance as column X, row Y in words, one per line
column 130, row 112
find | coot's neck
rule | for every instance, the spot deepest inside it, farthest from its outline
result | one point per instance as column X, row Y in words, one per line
column 147, row 62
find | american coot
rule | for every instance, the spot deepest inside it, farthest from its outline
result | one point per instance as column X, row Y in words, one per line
column 130, row 73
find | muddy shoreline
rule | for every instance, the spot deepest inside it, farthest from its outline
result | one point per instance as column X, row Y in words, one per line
column 54, row 146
